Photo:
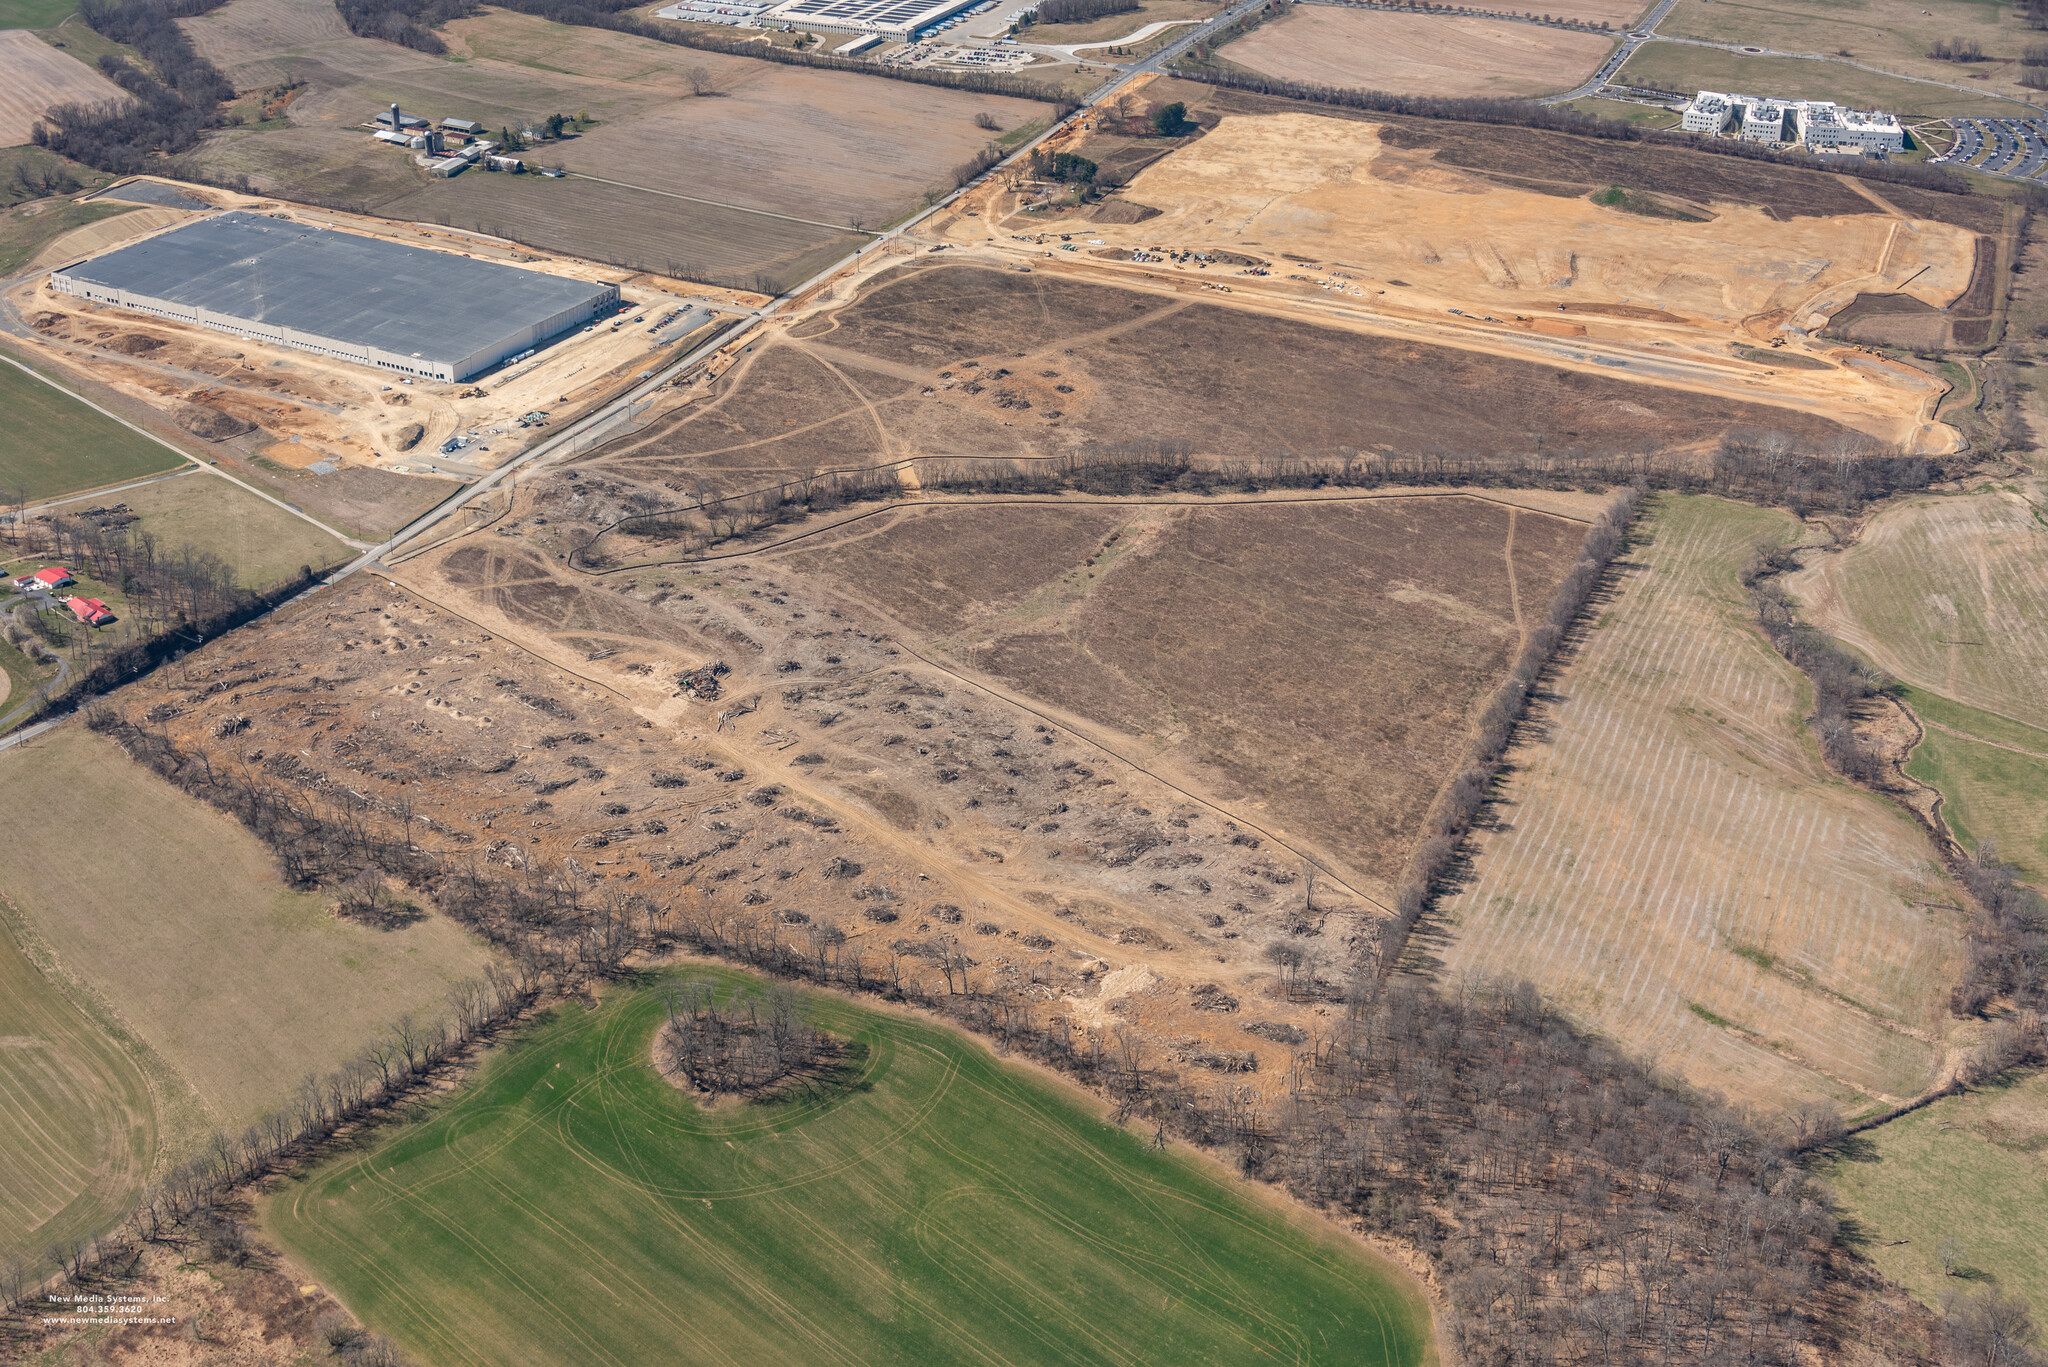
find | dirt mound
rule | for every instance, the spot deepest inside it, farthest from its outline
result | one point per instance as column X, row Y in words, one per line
column 210, row 423
column 407, row 437
column 44, row 321
column 1123, row 211
column 134, row 344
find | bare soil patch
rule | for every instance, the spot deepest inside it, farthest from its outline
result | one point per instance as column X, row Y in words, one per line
column 1318, row 661
column 1562, row 164
column 35, row 77
column 1419, row 54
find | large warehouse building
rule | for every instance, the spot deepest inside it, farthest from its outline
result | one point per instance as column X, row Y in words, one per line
column 377, row 303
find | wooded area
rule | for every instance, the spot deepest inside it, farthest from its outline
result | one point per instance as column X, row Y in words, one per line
column 171, row 108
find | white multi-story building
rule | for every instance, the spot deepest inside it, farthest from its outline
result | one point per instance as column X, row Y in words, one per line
column 1763, row 121
column 1709, row 112
column 1822, row 125
column 1826, row 127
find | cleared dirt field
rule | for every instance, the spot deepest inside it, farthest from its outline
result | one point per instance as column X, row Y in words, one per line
column 77, row 1122
column 1187, row 632
column 1570, row 166
column 1419, row 54
column 910, row 369
column 920, row 1212
column 1969, row 1168
column 180, row 926
column 34, row 77
column 1366, row 225
column 1950, row 594
column 1674, row 864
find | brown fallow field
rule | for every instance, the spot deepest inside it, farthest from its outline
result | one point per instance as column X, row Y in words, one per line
column 1673, row 862
column 968, row 363
column 766, row 174
column 1420, row 54
column 35, row 77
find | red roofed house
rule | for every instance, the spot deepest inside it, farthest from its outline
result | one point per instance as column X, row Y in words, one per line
column 55, row 577
column 90, row 611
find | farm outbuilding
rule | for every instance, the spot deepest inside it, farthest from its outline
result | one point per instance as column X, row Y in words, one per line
column 356, row 298
column 55, row 577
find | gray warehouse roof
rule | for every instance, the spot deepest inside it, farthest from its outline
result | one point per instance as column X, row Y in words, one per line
column 355, row 289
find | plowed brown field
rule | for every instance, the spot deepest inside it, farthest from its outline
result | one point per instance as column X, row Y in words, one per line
column 35, row 77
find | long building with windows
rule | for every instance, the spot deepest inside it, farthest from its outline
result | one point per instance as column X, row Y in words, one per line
column 1822, row 125
column 420, row 313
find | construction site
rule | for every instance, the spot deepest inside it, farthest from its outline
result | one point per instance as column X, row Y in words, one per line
column 1325, row 218
column 510, row 341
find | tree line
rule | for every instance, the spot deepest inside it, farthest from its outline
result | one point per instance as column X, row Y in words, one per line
column 1450, row 820
column 409, row 23
column 1079, row 11
column 1763, row 466
column 173, row 106
column 2006, row 943
column 176, row 597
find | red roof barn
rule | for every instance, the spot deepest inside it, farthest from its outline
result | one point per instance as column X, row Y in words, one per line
column 55, row 577
column 90, row 611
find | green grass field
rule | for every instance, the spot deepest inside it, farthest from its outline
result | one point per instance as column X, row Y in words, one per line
column 77, row 1124
column 262, row 541
column 1680, row 67
column 57, row 445
column 1624, row 111
column 175, row 918
column 35, row 13
column 1973, row 1168
column 1992, row 774
column 569, row 1205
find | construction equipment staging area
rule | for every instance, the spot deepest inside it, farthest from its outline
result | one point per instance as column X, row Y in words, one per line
column 418, row 312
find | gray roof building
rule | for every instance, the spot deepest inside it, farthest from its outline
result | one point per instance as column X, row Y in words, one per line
column 361, row 299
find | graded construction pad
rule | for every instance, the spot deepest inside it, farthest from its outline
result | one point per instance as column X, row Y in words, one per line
column 340, row 294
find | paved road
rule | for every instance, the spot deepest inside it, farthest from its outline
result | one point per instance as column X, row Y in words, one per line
column 562, row 442
column 622, row 407
column 1645, row 32
column 1635, row 38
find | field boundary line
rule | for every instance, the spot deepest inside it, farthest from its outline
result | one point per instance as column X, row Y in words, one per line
column 720, row 204
column 299, row 513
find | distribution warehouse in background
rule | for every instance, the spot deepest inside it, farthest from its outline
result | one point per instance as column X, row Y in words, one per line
column 384, row 304
column 1822, row 125
column 902, row 19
